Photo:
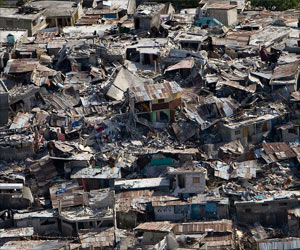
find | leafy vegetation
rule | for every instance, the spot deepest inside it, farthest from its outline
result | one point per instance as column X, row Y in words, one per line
column 276, row 4
column 3, row 3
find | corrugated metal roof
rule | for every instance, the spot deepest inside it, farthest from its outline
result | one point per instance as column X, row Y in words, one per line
column 221, row 6
column 20, row 66
column 68, row 194
column 161, row 226
column 148, row 92
column 184, row 64
column 283, row 244
column 290, row 70
column 137, row 199
column 97, row 237
column 219, row 226
column 246, row 169
column 279, row 150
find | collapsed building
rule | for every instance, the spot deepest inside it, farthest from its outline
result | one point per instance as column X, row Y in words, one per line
column 139, row 125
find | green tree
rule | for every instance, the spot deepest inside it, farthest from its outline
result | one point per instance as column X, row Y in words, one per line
column 276, row 4
column 3, row 3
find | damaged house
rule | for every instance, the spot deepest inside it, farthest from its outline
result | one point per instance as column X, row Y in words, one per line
column 66, row 15
column 147, row 16
column 155, row 102
column 189, row 179
column 250, row 129
column 28, row 18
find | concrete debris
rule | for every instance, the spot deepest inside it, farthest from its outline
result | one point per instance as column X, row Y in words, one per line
column 149, row 125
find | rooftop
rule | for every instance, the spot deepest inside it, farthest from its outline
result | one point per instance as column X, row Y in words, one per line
column 159, row 226
column 149, row 9
column 148, row 92
column 221, row 6
column 14, row 13
column 66, row 8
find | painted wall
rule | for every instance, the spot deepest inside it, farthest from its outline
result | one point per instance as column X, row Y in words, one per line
column 227, row 17
column 204, row 211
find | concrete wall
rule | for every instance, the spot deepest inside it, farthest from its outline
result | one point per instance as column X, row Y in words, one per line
column 267, row 213
column 151, row 238
column 19, row 152
column 250, row 133
column 7, row 201
column 22, row 24
column 190, row 186
column 126, row 220
column 286, row 136
column 3, row 108
column 227, row 17
column 40, row 225
column 148, row 22
column 168, row 213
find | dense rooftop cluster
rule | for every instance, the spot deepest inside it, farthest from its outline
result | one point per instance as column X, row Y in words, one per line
column 139, row 125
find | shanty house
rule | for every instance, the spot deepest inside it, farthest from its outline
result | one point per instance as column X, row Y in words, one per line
column 155, row 102
column 286, row 76
column 249, row 130
column 198, row 208
column 216, row 234
column 155, row 233
column 43, row 222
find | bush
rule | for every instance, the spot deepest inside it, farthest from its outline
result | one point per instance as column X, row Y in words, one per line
column 275, row 4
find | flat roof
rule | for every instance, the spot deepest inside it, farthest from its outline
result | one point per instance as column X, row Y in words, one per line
column 66, row 8
column 13, row 13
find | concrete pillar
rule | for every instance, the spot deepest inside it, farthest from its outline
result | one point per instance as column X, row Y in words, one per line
column 3, row 104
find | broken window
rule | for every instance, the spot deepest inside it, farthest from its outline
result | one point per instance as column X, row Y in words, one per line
column 48, row 222
column 237, row 132
column 142, row 107
column 136, row 23
column 292, row 131
column 80, row 225
column 259, row 128
column 282, row 204
column 181, row 181
column 181, row 209
column 196, row 179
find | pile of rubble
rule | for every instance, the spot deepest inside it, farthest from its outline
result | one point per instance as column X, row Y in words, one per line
column 145, row 126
